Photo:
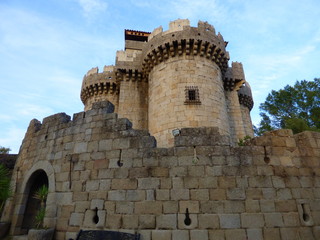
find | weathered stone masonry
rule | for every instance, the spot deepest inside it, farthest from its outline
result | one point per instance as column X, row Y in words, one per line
column 172, row 79
column 111, row 172
column 269, row 189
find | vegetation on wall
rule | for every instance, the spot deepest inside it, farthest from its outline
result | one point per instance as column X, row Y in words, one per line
column 5, row 189
column 4, row 150
column 293, row 107
column 41, row 195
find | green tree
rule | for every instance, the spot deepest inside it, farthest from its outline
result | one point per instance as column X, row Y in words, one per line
column 4, row 150
column 296, row 108
column 5, row 189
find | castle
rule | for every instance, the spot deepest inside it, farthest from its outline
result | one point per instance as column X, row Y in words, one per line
column 178, row 78
column 154, row 153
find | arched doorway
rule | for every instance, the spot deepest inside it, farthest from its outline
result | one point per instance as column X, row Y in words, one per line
column 36, row 180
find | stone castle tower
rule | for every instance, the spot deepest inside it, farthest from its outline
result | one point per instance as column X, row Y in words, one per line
column 175, row 79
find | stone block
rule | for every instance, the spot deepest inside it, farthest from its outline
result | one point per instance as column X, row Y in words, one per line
column 166, row 221
column 193, row 206
column 117, row 195
column 229, row 220
column 199, row 235
column 208, row 221
column 76, row 219
column 178, row 172
column 236, row 194
column 147, row 221
column 254, row 193
column 226, row 182
column 254, row 234
column 150, row 195
column 125, row 183
column 124, row 207
column 179, row 194
column 105, row 185
column 291, row 219
column 286, row 206
column 208, row 182
column 97, row 203
column 177, row 183
column 92, row 185
column 160, row 234
column 211, row 207
column 196, row 171
column 284, row 194
column 191, row 182
column 252, row 206
column 273, row 220
column 252, row 220
column 163, row 194
column 80, row 196
column 170, row 206
column 130, row 221
column 148, row 207
column 306, row 233
column 216, row 235
column 260, row 182
column 122, row 173
column 235, row 234
column 199, row 194
column 234, row 206
column 289, row 233
column 138, row 172
column 145, row 234
column 316, row 232
column 135, row 195
column 113, row 221
column 278, row 182
column 159, row 172
column 148, row 183
column 218, row 194
column 80, row 147
column 81, row 206
column 105, row 145
column 180, row 234
column 271, row 234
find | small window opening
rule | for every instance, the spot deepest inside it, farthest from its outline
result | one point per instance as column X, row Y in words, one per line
column 305, row 215
column 95, row 218
column 187, row 220
column 192, row 95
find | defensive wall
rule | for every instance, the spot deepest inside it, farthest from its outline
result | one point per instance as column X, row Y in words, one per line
column 102, row 174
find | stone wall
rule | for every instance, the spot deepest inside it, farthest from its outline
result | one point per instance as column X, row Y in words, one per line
column 133, row 103
column 200, row 189
column 168, row 100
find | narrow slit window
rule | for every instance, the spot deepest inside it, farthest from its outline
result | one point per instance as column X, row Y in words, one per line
column 192, row 95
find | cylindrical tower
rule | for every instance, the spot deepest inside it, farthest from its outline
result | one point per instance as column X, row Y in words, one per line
column 99, row 87
column 185, row 67
column 246, row 104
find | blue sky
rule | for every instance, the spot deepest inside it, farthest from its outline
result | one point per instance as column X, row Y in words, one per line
column 46, row 47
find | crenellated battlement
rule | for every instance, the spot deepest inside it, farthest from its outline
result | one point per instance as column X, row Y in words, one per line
column 245, row 96
column 234, row 77
column 95, row 83
column 181, row 39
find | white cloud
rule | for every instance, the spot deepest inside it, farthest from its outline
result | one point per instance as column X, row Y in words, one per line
column 91, row 8
column 12, row 138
